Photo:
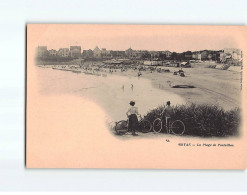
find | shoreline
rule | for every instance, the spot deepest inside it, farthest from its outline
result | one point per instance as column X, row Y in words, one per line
column 210, row 85
column 194, row 76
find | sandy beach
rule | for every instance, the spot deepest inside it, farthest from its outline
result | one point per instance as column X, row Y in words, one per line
column 113, row 92
column 212, row 86
column 88, row 98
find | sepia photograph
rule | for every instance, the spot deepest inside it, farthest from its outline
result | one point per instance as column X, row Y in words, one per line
column 123, row 96
column 195, row 91
column 134, row 83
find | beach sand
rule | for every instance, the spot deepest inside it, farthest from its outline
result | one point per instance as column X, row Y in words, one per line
column 212, row 86
column 65, row 129
column 107, row 92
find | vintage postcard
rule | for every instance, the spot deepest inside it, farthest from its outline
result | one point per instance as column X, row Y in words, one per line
column 136, row 96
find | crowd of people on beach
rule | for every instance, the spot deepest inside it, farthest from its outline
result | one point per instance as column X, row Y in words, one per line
column 140, row 69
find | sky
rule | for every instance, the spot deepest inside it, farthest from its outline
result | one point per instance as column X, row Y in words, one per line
column 138, row 37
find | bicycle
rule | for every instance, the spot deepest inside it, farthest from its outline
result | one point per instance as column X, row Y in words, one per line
column 176, row 127
column 144, row 126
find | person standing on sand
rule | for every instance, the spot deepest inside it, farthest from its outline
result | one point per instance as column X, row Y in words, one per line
column 168, row 113
column 132, row 86
column 133, row 120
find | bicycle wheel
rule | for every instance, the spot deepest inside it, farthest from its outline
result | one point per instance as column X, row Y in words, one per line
column 121, row 127
column 145, row 126
column 177, row 127
column 157, row 125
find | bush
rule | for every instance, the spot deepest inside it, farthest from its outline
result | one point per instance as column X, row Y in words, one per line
column 203, row 120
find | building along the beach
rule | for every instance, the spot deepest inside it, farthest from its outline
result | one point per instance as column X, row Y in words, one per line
column 52, row 52
column 231, row 56
column 134, row 54
column 87, row 53
column 168, row 53
column 129, row 53
column 105, row 53
column 235, row 53
column 188, row 55
column 118, row 54
column 204, row 55
column 196, row 56
column 42, row 51
column 97, row 52
column 75, row 51
column 137, row 54
column 154, row 54
column 63, row 52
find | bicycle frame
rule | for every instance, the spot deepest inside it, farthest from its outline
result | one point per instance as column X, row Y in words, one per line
column 168, row 127
column 164, row 121
column 142, row 122
column 168, row 123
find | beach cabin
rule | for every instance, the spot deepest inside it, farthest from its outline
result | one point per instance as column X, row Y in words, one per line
column 167, row 64
column 185, row 65
column 152, row 63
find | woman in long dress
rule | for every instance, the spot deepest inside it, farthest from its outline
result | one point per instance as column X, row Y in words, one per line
column 133, row 120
